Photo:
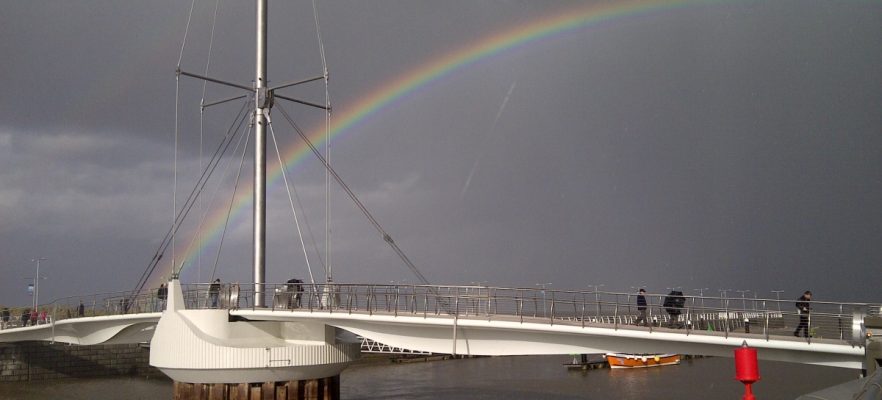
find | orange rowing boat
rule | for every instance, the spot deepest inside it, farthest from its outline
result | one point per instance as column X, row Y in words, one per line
column 625, row 360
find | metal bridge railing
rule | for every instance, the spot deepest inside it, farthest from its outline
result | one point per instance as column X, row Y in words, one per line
column 698, row 315
column 705, row 315
column 93, row 305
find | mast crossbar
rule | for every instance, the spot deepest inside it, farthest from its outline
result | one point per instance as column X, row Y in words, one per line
column 213, row 80
column 295, row 83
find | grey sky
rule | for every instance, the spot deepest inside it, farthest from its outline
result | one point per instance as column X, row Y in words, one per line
column 730, row 145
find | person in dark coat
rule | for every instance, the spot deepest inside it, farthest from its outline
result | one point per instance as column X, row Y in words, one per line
column 295, row 292
column 641, row 307
column 161, row 295
column 804, row 307
column 673, row 305
column 81, row 310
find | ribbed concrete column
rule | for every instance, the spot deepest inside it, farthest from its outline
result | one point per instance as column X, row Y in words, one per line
column 211, row 357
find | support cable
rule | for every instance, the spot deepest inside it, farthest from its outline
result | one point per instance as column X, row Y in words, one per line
column 166, row 240
column 327, row 262
column 186, row 33
column 174, row 227
column 177, row 123
column 232, row 200
column 358, row 203
column 214, row 194
column 241, row 119
column 269, row 123
column 202, row 134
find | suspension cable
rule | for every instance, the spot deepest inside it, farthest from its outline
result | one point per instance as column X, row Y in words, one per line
column 232, row 199
column 290, row 198
column 177, row 128
column 164, row 243
column 202, row 133
column 166, row 240
column 358, row 203
column 214, row 194
column 186, row 32
column 175, row 184
column 327, row 262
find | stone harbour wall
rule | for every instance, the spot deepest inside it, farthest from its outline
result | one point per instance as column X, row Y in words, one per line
column 36, row 361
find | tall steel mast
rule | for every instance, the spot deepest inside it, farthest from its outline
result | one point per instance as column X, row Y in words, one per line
column 262, row 105
column 263, row 102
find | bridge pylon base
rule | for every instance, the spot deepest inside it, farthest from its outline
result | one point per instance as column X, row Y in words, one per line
column 307, row 389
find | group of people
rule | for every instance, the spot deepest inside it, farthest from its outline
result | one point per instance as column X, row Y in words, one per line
column 28, row 317
column 675, row 301
column 673, row 305
column 295, row 292
column 293, row 289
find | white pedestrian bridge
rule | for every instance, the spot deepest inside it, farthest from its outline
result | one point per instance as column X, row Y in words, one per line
column 468, row 320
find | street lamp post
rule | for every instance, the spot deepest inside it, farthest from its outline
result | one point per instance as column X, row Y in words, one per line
column 37, row 281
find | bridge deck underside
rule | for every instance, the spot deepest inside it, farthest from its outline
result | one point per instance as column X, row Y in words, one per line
column 513, row 335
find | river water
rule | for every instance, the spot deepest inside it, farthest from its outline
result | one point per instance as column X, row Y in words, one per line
column 510, row 378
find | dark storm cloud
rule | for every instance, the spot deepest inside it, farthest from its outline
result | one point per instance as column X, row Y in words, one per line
column 731, row 145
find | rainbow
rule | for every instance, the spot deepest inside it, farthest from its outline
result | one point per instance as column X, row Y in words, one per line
column 392, row 92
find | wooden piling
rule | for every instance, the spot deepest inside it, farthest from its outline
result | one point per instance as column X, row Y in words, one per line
column 310, row 389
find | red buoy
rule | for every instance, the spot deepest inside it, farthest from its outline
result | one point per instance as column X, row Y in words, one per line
column 746, row 369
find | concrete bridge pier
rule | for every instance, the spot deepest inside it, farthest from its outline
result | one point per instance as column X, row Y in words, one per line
column 211, row 355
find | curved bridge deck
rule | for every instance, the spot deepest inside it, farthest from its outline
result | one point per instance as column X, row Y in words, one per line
column 481, row 320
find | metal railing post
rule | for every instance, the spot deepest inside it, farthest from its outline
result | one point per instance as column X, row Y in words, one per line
column 839, row 320
column 54, row 313
column 520, row 302
column 490, row 298
column 397, row 293
column 583, row 309
column 370, row 300
column 616, row 314
column 726, row 318
column 808, row 328
column 688, row 320
column 766, row 328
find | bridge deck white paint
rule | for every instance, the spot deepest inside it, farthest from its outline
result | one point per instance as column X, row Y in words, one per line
column 510, row 336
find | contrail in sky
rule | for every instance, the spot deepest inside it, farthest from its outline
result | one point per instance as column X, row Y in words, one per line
column 465, row 187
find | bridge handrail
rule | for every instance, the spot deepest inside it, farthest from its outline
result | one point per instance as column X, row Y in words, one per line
column 93, row 305
column 769, row 317
column 726, row 315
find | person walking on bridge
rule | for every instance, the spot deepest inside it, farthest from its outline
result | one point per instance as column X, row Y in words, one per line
column 641, row 307
column 161, row 295
column 804, row 306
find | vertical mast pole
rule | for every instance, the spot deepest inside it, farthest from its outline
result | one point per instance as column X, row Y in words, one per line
column 261, row 104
